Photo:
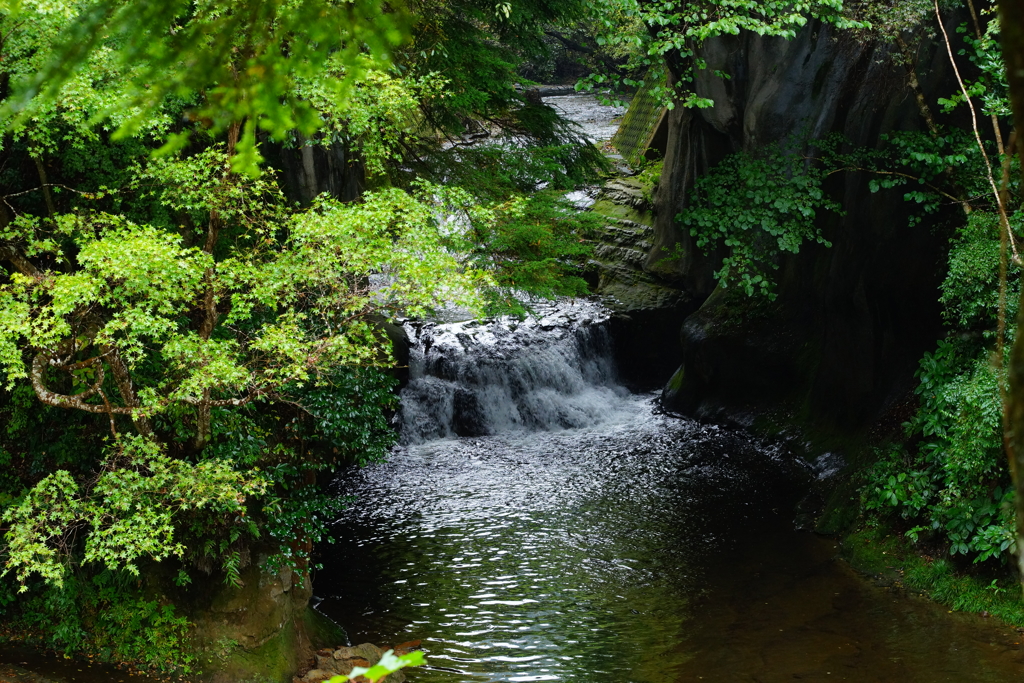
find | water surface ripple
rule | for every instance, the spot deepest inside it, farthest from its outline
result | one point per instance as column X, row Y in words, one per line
column 646, row 549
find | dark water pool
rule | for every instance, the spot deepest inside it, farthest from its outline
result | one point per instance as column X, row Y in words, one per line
column 647, row 549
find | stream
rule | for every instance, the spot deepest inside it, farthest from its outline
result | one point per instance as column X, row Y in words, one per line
column 540, row 523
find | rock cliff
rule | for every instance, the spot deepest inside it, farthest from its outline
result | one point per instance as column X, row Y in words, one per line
column 841, row 342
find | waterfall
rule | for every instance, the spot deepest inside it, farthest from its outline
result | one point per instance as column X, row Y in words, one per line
column 552, row 371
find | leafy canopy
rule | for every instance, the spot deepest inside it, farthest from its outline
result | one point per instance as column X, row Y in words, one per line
column 216, row 329
column 234, row 60
column 758, row 206
column 147, row 325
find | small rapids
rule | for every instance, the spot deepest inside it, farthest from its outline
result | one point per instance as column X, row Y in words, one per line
column 549, row 372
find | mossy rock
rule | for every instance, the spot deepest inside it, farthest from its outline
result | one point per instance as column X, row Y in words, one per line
column 279, row 658
column 620, row 212
column 261, row 630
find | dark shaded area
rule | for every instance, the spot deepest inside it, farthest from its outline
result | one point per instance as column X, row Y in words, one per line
column 309, row 168
column 22, row 664
column 647, row 345
column 843, row 339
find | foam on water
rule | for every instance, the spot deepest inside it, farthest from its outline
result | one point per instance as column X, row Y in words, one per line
column 550, row 372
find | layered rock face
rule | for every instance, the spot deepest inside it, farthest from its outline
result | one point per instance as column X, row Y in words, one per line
column 647, row 307
column 842, row 340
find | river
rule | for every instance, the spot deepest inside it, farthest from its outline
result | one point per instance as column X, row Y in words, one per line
column 540, row 523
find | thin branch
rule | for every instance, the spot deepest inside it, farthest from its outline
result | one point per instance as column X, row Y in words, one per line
column 974, row 18
column 958, row 200
column 1004, row 219
column 47, row 195
column 574, row 46
column 224, row 402
column 45, row 186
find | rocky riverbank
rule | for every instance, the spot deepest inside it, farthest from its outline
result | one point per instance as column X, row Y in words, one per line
column 342, row 660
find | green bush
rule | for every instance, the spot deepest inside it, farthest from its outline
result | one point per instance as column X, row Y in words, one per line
column 758, row 206
column 106, row 615
column 950, row 480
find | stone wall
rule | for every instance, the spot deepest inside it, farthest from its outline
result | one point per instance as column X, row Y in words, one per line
column 645, row 326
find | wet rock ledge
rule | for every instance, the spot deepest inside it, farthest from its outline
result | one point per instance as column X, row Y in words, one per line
column 341, row 661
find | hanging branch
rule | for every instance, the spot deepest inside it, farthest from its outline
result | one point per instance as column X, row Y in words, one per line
column 1003, row 218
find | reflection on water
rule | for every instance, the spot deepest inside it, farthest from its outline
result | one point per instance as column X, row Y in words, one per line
column 20, row 664
column 783, row 608
column 647, row 549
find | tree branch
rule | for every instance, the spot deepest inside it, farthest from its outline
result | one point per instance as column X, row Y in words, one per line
column 1003, row 218
column 75, row 401
column 574, row 46
column 51, row 207
column 9, row 252
column 915, row 85
column 126, row 388
column 964, row 203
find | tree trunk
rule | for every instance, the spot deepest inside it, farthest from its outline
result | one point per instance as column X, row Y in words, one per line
column 1011, row 14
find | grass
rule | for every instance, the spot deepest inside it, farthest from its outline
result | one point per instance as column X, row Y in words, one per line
column 880, row 551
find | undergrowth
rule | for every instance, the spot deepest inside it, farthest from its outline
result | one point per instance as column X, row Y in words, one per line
column 106, row 616
column 881, row 550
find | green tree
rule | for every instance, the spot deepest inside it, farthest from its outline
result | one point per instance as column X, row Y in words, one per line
column 131, row 322
column 213, row 346
column 950, row 479
column 236, row 61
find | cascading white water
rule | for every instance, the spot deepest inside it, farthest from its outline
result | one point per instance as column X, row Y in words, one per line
column 548, row 372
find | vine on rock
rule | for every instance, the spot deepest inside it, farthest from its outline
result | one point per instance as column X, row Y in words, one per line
column 758, row 206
